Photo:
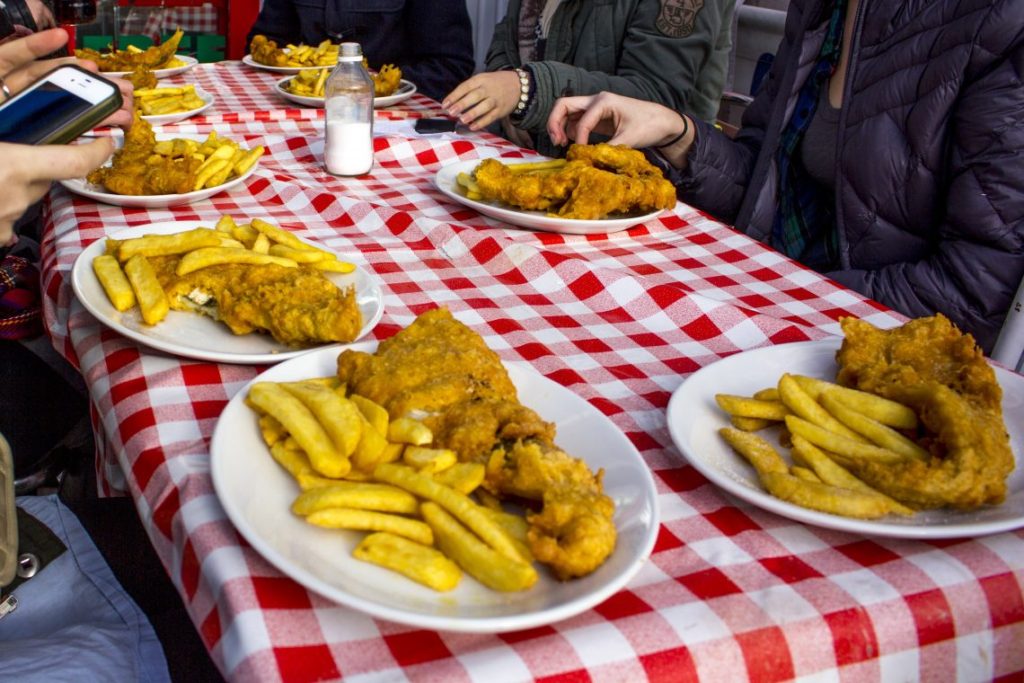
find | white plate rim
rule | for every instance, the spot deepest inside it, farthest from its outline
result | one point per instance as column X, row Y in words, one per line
column 249, row 61
column 83, row 278
column 164, row 119
column 162, row 73
column 689, row 410
column 226, row 433
column 152, row 201
column 378, row 102
column 444, row 180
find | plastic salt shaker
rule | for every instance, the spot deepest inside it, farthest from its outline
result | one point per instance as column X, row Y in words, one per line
column 348, row 149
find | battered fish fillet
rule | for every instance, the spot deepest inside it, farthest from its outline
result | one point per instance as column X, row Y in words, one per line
column 929, row 365
column 597, row 181
column 136, row 170
column 153, row 57
column 297, row 306
column 441, row 372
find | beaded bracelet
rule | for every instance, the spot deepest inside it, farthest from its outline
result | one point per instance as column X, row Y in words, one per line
column 686, row 129
column 524, row 92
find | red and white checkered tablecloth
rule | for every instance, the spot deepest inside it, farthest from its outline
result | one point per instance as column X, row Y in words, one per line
column 157, row 21
column 244, row 94
column 731, row 592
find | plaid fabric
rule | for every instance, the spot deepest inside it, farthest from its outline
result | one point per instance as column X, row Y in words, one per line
column 804, row 226
column 158, row 21
column 20, row 309
column 731, row 591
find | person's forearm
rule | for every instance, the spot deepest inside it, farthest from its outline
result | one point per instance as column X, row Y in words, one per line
column 677, row 146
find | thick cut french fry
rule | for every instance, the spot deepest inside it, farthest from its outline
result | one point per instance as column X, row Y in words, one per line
column 261, row 245
column 115, row 284
column 799, row 402
column 767, row 394
column 368, row 520
column 375, row 414
column 293, row 460
column 831, row 472
column 166, row 245
column 874, row 431
column 297, row 255
column 804, row 473
column 421, row 563
column 464, row 477
column 152, row 298
column 877, row 408
column 370, row 450
column 379, row 497
column 333, row 266
column 755, row 450
column 529, row 166
column 835, row 443
column 303, row 427
column 456, row 503
column 410, row 431
column 429, row 460
column 750, row 407
column 338, row 417
column 749, row 424
column 215, row 256
column 279, row 235
column 271, row 430
column 208, row 171
column 493, row 569
column 248, row 160
column 824, row 497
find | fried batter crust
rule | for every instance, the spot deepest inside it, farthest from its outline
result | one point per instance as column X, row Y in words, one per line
column 440, row 371
column 942, row 374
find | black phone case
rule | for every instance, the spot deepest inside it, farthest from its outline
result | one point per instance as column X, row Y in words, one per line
column 426, row 126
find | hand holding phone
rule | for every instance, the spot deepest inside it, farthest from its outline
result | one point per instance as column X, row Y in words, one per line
column 60, row 106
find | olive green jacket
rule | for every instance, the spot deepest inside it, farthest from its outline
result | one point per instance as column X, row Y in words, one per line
column 674, row 52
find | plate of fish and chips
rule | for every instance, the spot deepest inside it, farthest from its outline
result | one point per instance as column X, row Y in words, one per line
column 161, row 59
column 189, row 327
column 597, row 189
column 271, row 505
column 890, row 497
column 265, row 54
column 191, row 168
column 309, row 91
column 307, row 87
column 162, row 105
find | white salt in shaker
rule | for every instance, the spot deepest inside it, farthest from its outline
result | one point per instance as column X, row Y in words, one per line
column 348, row 149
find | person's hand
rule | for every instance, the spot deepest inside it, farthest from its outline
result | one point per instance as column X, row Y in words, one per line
column 41, row 14
column 19, row 59
column 626, row 121
column 28, row 170
column 483, row 99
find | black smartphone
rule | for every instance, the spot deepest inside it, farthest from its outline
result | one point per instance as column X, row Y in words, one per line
column 427, row 126
column 60, row 106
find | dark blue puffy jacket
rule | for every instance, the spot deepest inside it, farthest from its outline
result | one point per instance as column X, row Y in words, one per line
column 930, row 166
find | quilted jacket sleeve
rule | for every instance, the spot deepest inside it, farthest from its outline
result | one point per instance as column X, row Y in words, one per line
column 719, row 168
column 978, row 261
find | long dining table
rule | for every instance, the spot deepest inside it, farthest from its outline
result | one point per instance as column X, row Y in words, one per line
column 731, row 591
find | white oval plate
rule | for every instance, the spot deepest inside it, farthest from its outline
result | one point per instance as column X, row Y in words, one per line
column 196, row 336
column 163, row 73
column 256, row 494
column 445, row 180
column 154, row 201
column 249, row 61
column 694, row 419
column 162, row 119
column 406, row 90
